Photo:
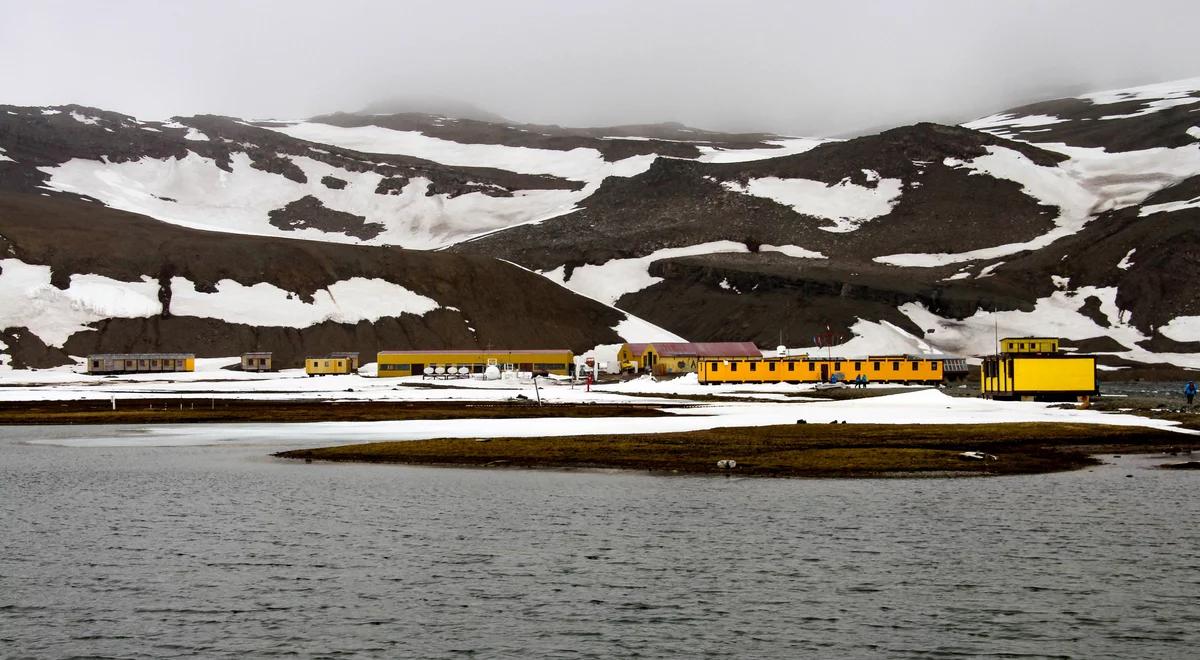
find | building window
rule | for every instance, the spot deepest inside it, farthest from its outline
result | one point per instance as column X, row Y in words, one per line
column 933, row 365
column 837, row 366
column 733, row 366
column 812, row 366
column 875, row 366
column 857, row 366
column 914, row 365
column 895, row 366
column 771, row 366
column 791, row 366
column 753, row 366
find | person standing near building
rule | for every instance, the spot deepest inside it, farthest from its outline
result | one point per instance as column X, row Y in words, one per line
column 1189, row 391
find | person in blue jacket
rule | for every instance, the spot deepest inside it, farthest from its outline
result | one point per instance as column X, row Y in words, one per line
column 1189, row 391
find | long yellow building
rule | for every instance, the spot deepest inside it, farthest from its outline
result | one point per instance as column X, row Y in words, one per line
column 1034, row 369
column 804, row 369
column 536, row 361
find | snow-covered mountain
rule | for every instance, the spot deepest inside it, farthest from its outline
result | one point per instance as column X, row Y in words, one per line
column 1073, row 217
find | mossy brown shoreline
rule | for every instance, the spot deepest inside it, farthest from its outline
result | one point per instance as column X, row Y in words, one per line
column 797, row 450
column 197, row 410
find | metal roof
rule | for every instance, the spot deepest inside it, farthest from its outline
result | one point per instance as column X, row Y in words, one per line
column 256, row 353
column 141, row 356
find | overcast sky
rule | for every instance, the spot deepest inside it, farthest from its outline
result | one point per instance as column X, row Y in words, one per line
column 800, row 68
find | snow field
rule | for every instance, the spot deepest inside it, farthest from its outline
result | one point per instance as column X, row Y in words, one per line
column 848, row 205
column 194, row 192
column 917, row 407
column 785, row 147
column 28, row 299
column 609, row 281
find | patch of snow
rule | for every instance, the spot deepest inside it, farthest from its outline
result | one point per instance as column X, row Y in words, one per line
column 29, row 300
column 1057, row 315
column 848, row 205
column 84, row 119
column 724, row 284
column 1170, row 207
column 1194, row 132
column 1182, row 328
column 609, row 281
column 792, row 251
column 1126, row 262
column 961, row 275
column 785, row 147
column 1060, row 282
column 48, row 112
column 264, row 304
column 580, row 164
column 207, row 197
column 5, row 158
column 871, row 338
column 989, row 271
column 1009, row 120
column 636, row 329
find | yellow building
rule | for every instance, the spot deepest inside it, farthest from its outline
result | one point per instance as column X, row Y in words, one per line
column 1029, row 345
column 804, row 369
column 662, row 358
column 1034, row 374
column 536, row 361
column 138, row 363
column 328, row 366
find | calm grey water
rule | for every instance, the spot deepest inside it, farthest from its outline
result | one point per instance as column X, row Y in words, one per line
column 222, row 551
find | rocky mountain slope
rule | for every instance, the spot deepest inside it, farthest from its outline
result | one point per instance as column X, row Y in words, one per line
column 1072, row 217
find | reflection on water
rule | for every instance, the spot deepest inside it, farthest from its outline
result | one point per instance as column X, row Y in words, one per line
column 207, row 551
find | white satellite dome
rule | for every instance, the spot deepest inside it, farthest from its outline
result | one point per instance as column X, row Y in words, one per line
column 439, row 370
column 781, row 351
column 428, row 371
column 491, row 373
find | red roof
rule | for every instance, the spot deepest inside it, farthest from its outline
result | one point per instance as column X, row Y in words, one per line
column 700, row 349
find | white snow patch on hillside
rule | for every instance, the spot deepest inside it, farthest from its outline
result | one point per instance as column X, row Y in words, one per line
column 848, row 205
column 1151, row 92
column 29, row 300
column 1057, row 315
column 580, row 164
column 992, row 123
column 84, row 119
column 1091, row 181
column 609, row 281
column 793, row 251
column 1126, row 262
column 207, row 197
column 264, row 304
column 635, row 329
column 1194, row 132
column 785, row 147
column 1169, row 207
column 5, row 158
column 1182, row 328
column 871, row 338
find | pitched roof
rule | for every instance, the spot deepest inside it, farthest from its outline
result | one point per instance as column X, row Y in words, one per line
column 700, row 349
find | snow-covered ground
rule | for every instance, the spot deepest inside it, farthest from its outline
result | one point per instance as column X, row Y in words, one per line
column 917, row 407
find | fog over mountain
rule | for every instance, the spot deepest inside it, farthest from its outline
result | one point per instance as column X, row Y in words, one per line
column 789, row 67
